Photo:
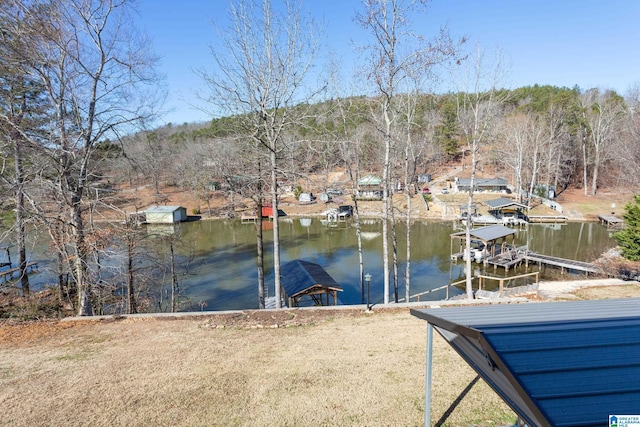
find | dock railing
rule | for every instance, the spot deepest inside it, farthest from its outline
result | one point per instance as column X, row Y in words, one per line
column 418, row 295
column 503, row 282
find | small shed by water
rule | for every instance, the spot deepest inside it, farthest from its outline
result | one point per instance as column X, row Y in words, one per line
column 302, row 279
column 165, row 214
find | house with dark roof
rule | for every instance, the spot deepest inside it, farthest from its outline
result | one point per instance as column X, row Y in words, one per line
column 496, row 185
column 306, row 280
column 506, row 209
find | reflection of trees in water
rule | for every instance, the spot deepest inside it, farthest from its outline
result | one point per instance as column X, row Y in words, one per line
column 216, row 260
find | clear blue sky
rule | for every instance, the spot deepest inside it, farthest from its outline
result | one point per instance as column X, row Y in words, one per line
column 587, row 43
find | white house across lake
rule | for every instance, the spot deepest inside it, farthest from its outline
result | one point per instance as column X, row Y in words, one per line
column 165, row 214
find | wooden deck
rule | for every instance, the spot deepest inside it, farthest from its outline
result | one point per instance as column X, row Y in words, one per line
column 563, row 263
column 517, row 256
column 548, row 218
column 612, row 222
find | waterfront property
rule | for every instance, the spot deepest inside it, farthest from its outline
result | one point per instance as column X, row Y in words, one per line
column 490, row 241
column 369, row 188
column 496, row 185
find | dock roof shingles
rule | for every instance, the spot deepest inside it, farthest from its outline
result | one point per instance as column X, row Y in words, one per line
column 298, row 276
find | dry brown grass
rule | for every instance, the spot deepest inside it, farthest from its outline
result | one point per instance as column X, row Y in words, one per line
column 318, row 367
column 358, row 370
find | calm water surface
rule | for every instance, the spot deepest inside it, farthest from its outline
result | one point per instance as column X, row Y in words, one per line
column 225, row 266
column 222, row 268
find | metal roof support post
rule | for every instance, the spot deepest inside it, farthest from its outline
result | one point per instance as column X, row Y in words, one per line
column 427, row 377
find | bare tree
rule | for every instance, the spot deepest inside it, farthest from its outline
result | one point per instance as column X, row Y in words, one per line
column 394, row 53
column 477, row 109
column 98, row 77
column 419, row 129
column 263, row 61
column 22, row 112
column 629, row 156
column 602, row 112
column 521, row 149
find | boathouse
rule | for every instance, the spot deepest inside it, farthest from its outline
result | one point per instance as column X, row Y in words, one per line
column 491, row 241
column 303, row 279
column 165, row 214
column 507, row 209
column 555, row 364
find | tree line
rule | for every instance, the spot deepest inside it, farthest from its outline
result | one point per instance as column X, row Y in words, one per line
column 79, row 97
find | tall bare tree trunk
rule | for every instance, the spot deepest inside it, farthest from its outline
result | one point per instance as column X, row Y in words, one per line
column 260, row 252
column 20, row 213
column 276, row 229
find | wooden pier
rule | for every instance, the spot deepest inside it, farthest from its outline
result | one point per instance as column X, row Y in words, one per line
column 568, row 264
column 516, row 256
column 612, row 222
column 548, row 218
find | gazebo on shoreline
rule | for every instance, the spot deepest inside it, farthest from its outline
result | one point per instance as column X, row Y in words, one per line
column 301, row 279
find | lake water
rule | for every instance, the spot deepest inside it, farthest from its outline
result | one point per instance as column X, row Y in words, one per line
column 222, row 268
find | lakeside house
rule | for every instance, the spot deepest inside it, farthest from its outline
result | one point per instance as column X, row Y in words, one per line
column 369, row 188
column 496, row 185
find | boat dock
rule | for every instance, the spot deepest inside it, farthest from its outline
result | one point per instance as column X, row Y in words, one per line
column 517, row 256
column 612, row 222
column 548, row 218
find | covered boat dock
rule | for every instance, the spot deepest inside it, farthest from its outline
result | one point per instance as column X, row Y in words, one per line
column 492, row 240
column 302, row 279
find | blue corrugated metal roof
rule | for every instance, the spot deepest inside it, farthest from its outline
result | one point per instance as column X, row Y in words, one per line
column 556, row 364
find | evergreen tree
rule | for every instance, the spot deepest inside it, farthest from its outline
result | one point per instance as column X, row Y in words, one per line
column 629, row 238
column 447, row 130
